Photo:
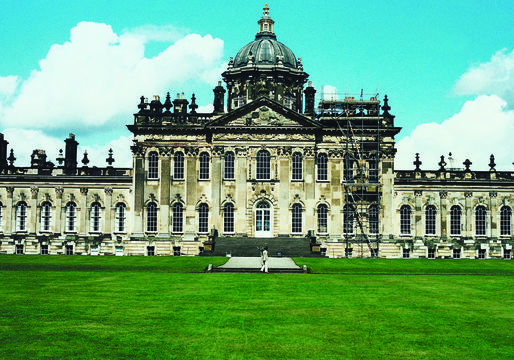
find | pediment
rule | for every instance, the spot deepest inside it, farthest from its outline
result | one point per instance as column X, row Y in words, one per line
column 263, row 113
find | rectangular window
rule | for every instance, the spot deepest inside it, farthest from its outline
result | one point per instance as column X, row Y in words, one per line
column 44, row 249
column 19, row 249
column 506, row 254
column 322, row 167
column 456, row 253
column 431, row 253
column 69, row 249
column 406, row 253
column 176, row 251
column 481, row 253
column 348, row 252
column 297, row 170
column 373, row 171
column 150, row 250
column 178, row 166
column 229, row 166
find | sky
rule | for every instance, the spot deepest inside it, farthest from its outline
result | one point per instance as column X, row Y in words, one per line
column 80, row 67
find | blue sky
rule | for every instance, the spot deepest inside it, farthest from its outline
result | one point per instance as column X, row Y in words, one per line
column 435, row 60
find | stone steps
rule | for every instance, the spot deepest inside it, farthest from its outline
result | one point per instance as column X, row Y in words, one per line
column 279, row 246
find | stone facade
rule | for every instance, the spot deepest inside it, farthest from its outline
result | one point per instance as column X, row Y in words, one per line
column 269, row 165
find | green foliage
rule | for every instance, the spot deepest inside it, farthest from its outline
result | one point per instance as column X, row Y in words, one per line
column 165, row 308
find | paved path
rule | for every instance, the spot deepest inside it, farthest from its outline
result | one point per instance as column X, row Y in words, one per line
column 255, row 263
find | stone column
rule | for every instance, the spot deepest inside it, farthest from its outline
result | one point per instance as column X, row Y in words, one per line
column 418, row 216
column 108, row 223
column 241, row 195
column 443, row 206
column 165, row 184
column 84, row 212
column 309, row 173
column 335, row 226
column 32, row 225
column 59, row 224
column 468, row 218
column 139, row 189
column 387, row 211
column 216, row 186
column 284, row 217
column 191, row 189
column 493, row 214
column 10, row 221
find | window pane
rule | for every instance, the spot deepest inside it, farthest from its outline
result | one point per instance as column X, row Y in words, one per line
column 46, row 216
column 203, row 218
column 263, row 165
column 228, row 218
column 297, row 166
column 373, row 170
column 373, row 219
column 204, row 166
column 480, row 220
column 455, row 220
column 322, row 218
column 430, row 215
column 405, row 215
column 322, row 167
column 178, row 166
column 348, row 219
column 70, row 216
column 505, row 220
column 229, row 165
column 153, row 165
column 151, row 218
column 95, row 218
column 177, row 211
column 120, row 218
column 296, row 220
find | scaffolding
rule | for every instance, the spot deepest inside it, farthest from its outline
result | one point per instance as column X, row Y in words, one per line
column 357, row 119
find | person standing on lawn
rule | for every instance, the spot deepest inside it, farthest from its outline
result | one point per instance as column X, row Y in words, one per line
column 264, row 260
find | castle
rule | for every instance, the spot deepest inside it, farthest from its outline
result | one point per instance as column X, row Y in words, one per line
column 266, row 165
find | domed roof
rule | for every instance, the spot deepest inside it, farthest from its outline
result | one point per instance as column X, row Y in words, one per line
column 265, row 50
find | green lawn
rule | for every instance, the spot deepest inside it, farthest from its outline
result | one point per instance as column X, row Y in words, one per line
column 165, row 307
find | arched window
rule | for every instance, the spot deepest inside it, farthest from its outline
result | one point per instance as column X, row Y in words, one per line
column 455, row 220
column 21, row 216
column 348, row 168
column 95, row 218
column 153, row 165
column 119, row 214
column 46, row 216
column 203, row 218
column 505, row 220
column 322, row 167
column 228, row 218
column 430, row 213
column 204, row 166
column 373, row 219
column 178, row 166
column 151, row 217
column 263, row 165
column 405, row 218
column 348, row 219
column 296, row 219
column 177, row 212
column 373, row 170
column 71, row 216
column 480, row 220
column 297, row 170
column 229, row 165
column 322, row 218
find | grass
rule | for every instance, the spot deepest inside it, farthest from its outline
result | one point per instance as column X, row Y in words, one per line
column 165, row 307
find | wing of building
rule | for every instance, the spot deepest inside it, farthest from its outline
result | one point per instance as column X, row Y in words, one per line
column 265, row 168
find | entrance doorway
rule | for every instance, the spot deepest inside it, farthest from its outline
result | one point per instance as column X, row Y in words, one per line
column 263, row 219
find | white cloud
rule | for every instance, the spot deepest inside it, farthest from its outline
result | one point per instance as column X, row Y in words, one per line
column 18, row 139
column 147, row 33
column 98, row 76
column 493, row 77
column 8, row 85
column 484, row 126
column 329, row 92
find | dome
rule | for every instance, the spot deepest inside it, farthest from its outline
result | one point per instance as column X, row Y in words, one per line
column 265, row 50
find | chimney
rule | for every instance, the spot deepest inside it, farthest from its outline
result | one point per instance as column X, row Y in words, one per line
column 70, row 156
